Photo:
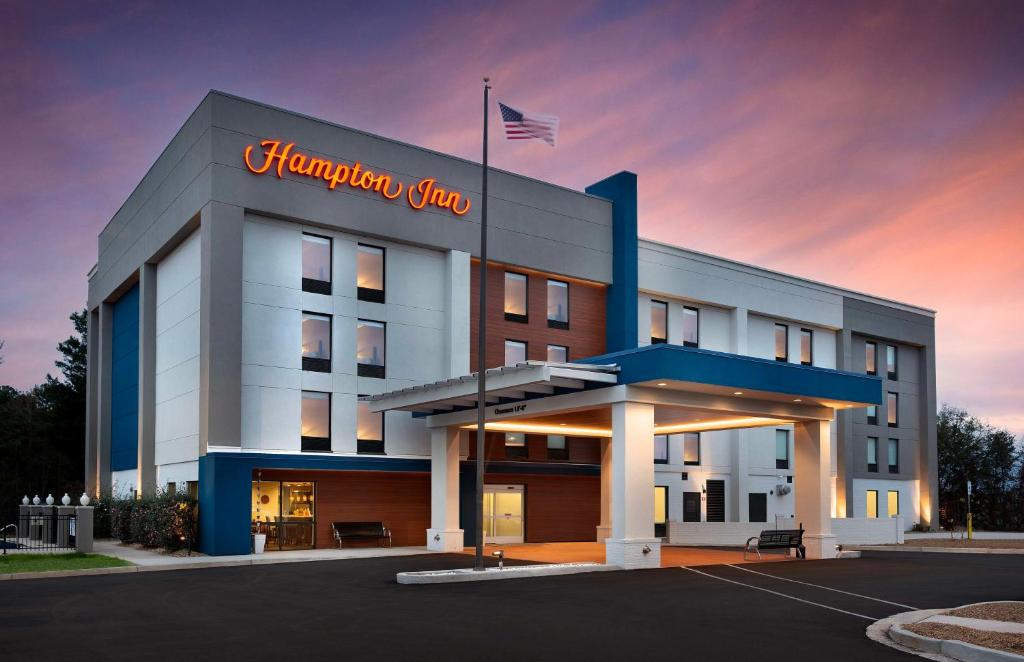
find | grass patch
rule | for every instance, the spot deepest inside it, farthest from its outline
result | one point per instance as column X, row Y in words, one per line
column 12, row 563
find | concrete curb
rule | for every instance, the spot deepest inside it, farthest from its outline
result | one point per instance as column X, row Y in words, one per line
column 890, row 632
column 936, row 550
column 508, row 572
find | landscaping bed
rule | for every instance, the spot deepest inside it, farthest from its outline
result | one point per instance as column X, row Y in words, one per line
column 1012, row 612
column 1004, row 641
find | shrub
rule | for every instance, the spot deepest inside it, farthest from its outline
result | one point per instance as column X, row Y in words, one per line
column 170, row 521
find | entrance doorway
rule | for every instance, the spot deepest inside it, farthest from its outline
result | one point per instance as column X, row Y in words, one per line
column 503, row 514
column 691, row 506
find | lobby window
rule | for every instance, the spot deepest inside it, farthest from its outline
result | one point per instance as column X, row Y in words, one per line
column 894, row 503
column 370, row 348
column 558, row 354
column 316, row 421
column 515, row 297
column 661, row 449
column 515, row 445
column 781, row 342
column 369, row 429
column 782, row 449
column 659, row 322
column 558, row 304
column 316, row 264
column 872, row 414
column 691, row 326
column 873, row 454
column 894, row 456
column 316, row 342
column 806, row 347
column 870, row 358
column 893, row 406
column 890, row 361
column 872, row 503
column 691, row 448
column 370, row 273
column 558, row 448
column 515, row 352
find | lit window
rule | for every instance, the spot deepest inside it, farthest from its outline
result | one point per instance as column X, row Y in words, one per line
column 370, row 273
column 872, row 453
column 316, row 342
column 890, row 361
column 558, row 304
column 515, row 297
column 370, row 348
column 691, row 448
column 369, row 429
column 782, row 449
column 661, row 449
column 893, row 406
column 316, row 264
column 894, row 456
column 515, row 444
column 806, row 347
column 872, row 414
column 870, row 358
column 781, row 342
column 660, row 511
column 558, row 354
column 316, row 421
column 558, row 448
column 872, row 503
column 515, row 352
column 691, row 326
column 894, row 503
column 659, row 322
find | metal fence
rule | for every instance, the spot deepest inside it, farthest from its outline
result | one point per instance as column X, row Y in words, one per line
column 43, row 530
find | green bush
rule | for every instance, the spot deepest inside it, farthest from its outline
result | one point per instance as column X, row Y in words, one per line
column 169, row 521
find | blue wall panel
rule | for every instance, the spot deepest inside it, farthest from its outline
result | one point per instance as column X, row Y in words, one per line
column 621, row 303
column 124, row 382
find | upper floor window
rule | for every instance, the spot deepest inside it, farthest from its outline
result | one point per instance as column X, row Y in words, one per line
column 890, row 361
column 691, row 448
column 894, row 456
column 558, row 304
column 369, row 429
column 316, row 264
column 515, row 444
column 558, row 354
column 558, row 448
column 316, row 342
column 806, row 347
column 659, row 321
column 782, row 449
column 870, row 358
column 370, row 273
column 661, row 449
column 515, row 297
column 893, row 406
column 781, row 342
column 370, row 340
column 515, row 352
column 872, row 414
column 316, row 421
column 872, row 453
column 691, row 326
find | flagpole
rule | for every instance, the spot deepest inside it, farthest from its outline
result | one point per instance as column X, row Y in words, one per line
column 481, row 354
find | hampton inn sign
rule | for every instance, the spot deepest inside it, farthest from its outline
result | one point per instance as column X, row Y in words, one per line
column 281, row 156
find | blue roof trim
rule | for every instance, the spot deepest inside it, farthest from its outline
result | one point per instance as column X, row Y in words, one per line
column 689, row 364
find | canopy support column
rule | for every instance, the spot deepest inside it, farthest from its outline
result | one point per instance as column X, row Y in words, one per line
column 444, row 534
column 633, row 544
column 813, row 487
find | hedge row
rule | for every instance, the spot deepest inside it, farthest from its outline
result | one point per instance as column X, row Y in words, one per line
column 169, row 521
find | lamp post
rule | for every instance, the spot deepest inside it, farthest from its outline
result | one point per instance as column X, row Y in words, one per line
column 481, row 353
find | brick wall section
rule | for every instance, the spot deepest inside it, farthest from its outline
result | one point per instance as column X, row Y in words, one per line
column 558, row 508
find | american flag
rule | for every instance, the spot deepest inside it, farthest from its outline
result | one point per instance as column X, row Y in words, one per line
column 524, row 125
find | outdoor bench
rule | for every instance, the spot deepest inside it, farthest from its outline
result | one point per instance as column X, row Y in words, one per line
column 776, row 539
column 361, row 531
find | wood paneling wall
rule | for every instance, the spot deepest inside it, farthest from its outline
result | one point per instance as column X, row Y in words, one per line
column 558, row 508
column 582, row 450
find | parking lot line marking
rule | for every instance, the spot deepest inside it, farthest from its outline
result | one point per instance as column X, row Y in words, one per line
column 783, row 595
column 827, row 588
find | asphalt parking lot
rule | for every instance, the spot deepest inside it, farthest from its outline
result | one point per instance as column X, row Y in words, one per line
column 354, row 609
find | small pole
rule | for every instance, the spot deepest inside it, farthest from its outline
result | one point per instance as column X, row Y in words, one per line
column 970, row 516
column 481, row 353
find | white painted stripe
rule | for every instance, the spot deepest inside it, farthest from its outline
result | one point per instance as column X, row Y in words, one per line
column 827, row 588
column 782, row 595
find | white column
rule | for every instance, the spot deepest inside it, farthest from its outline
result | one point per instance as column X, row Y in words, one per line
column 604, row 529
column 457, row 278
column 444, row 534
column 633, row 544
column 812, row 485
column 738, row 331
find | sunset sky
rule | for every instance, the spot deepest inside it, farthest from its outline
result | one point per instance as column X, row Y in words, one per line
column 875, row 146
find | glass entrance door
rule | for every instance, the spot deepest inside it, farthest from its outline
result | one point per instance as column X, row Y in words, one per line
column 503, row 514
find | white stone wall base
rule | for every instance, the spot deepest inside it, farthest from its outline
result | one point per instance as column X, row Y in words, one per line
column 445, row 540
column 604, row 533
column 820, row 546
column 629, row 554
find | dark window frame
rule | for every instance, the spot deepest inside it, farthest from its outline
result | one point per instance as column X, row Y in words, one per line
column 867, row 494
column 555, row 324
column 700, row 444
column 316, row 444
column 368, row 293
column 654, row 340
column 874, row 351
column 560, row 454
column 370, row 446
column 311, row 364
column 314, row 285
column 893, row 468
column 367, row 369
column 810, row 346
column 897, row 493
column 894, row 373
column 565, row 347
column 526, row 348
column 519, row 452
column 661, row 528
column 668, row 452
column 785, row 356
column 782, row 463
column 892, row 409
column 515, row 317
column 871, row 419
column 872, row 466
column 689, row 343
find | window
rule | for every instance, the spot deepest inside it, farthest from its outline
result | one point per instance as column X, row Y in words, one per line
column 659, row 322
column 890, row 361
column 661, row 449
column 691, row 327
column 558, row 304
column 691, row 448
column 515, row 444
column 515, row 297
column 558, row 448
column 870, row 358
column 806, row 347
column 782, row 449
column 316, row 264
column 515, row 352
column 872, row 414
column 369, row 429
column 873, row 454
column 316, row 342
column 781, row 342
column 893, row 406
column 316, row 421
column 370, row 348
column 660, row 511
column 872, row 503
column 894, row 456
column 370, row 273
column 558, row 354
column 894, row 503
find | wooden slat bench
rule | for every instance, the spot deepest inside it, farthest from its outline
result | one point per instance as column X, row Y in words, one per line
column 776, row 539
column 361, row 531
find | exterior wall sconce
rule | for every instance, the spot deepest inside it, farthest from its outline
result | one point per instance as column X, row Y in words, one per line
column 647, row 549
column 437, row 537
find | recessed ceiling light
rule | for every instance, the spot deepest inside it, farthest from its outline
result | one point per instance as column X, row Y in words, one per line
column 737, row 392
column 797, row 400
column 662, row 384
column 563, row 424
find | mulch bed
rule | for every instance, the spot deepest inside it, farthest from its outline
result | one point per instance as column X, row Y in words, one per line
column 995, row 611
column 1011, row 643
